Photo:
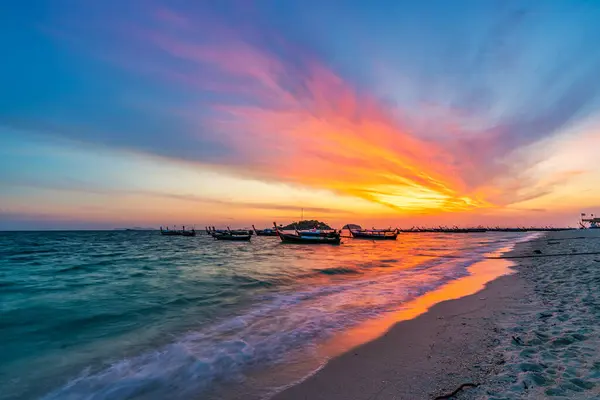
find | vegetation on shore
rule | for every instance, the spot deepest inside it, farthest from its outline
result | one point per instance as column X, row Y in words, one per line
column 307, row 224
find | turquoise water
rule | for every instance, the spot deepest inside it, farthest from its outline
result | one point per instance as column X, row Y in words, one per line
column 127, row 315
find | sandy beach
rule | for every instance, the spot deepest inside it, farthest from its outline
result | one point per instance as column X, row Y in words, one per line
column 533, row 334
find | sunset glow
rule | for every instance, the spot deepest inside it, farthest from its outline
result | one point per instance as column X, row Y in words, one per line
column 207, row 114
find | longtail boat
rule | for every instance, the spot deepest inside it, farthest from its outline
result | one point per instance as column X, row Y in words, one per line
column 212, row 231
column 177, row 232
column 314, row 232
column 374, row 234
column 167, row 232
column 240, row 231
column 264, row 232
column 300, row 237
column 238, row 236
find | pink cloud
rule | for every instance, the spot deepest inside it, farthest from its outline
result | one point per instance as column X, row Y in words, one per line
column 308, row 125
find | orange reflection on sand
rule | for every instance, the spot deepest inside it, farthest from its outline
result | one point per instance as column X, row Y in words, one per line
column 480, row 274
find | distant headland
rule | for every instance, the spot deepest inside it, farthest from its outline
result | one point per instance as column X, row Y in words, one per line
column 307, row 224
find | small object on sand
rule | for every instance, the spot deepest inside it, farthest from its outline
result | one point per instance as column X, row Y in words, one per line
column 537, row 252
column 482, row 298
column 518, row 341
column 455, row 392
column 544, row 315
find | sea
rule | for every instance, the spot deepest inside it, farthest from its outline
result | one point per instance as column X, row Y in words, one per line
column 136, row 315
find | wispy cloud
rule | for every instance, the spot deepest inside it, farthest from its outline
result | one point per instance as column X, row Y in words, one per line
column 74, row 186
column 254, row 100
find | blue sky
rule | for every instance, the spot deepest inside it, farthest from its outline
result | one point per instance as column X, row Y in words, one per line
column 386, row 110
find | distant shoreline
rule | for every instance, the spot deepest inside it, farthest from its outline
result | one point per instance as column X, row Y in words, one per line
column 202, row 229
column 81, row 230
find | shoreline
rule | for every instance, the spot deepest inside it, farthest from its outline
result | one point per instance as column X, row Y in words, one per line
column 530, row 335
column 428, row 350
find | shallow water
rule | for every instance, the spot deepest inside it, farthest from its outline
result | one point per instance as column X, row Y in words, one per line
column 115, row 315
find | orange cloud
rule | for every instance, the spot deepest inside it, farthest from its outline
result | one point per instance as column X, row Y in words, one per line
column 323, row 133
column 300, row 122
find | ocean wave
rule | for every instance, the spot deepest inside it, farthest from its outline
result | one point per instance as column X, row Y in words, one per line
column 14, row 254
column 215, row 317
column 250, row 282
column 339, row 271
column 202, row 299
column 93, row 320
column 266, row 334
column 71, row 269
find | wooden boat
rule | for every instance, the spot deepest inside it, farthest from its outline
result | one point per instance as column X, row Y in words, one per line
column 177, row 232
column 167, row 232
column 264, row 232
column 242, row 232
column 300, row 238
column 238, row 236
column 374, row 234
column 314, row 232
column 232, row 237
column 213, row 231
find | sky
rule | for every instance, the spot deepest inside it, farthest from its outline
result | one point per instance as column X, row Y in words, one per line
column 390, row 113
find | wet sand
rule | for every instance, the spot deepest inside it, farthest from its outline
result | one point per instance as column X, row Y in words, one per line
column 533, row 334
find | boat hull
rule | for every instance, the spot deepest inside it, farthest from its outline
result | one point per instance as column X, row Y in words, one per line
column 369, row 236
column 178, row 233
column 233, row 238
column 264, row 232
column 295, row 239
column 170, row 233
column 259, row 233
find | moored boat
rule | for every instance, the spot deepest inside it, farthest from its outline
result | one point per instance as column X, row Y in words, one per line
column 373, row 234
column 301, row 237
column 212, row 231
column 237, row 235
column 264, row 232
column 314, row 232
column 232, row 237
column 167, row 232
column 177, row 232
